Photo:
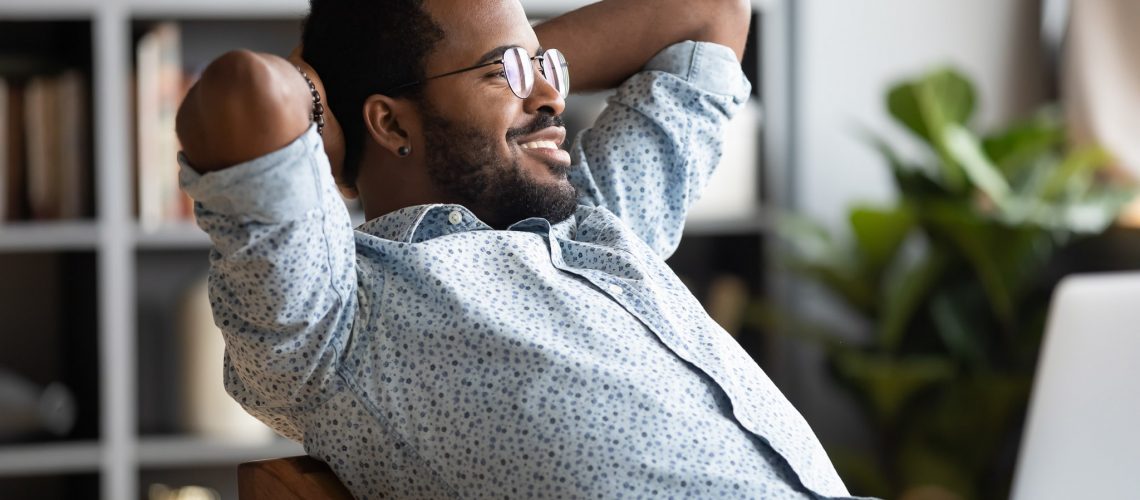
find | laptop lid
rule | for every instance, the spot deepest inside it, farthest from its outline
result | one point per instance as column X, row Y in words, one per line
column 1082, row 435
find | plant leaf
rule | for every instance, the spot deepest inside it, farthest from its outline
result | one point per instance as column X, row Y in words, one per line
column 1092, row 214
column 879, row 232
column 904, row 290
column 926, row 106
column 967, row 152
column 912, row 181
column 972, row 415
column 1078, row 166
column 970, row 235
column 952, row 319
column 817, row 256
column 1025, row 141
column 889, row 383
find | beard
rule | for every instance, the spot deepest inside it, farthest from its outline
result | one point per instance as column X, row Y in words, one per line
column 466, row 165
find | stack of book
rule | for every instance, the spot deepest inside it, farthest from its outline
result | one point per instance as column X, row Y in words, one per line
column 45, row 169
column 160, row 85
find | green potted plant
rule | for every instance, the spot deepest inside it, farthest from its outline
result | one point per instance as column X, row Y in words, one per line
column 952, row 279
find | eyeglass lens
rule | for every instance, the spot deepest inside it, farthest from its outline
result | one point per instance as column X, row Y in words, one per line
column 520, row 71
column 556, row 71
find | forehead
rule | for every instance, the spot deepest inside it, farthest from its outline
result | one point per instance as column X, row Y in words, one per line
column 472, row 27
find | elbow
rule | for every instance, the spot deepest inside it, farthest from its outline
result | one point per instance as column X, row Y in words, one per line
column 226, row 115
column 728, row 24
column 224, row 81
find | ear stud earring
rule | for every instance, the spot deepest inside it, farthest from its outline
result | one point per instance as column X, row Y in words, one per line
column 404, row 151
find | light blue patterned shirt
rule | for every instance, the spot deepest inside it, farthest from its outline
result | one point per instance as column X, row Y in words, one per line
column 425, row 355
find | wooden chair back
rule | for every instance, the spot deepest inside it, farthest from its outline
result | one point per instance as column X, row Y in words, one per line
column 290, row 478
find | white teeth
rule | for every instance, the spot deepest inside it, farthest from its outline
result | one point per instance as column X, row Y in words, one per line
column 539, row 145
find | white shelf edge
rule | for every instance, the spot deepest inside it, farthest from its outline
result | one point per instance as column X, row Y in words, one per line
column 728, row 226
column 19, row 10
column 182, row 451
column 227, row 9
column 62, row 235
column 213, row 9
column 50, row 458
column 174, row 236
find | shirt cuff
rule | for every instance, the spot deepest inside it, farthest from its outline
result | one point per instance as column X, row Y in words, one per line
column 280, row 186
column 708, row 66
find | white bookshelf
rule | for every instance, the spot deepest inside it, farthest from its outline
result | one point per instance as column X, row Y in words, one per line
column 119, row 454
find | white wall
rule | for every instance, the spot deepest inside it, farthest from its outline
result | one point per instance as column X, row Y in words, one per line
column 850, row 51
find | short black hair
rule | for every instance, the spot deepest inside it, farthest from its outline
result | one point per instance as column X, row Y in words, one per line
column 363, row 47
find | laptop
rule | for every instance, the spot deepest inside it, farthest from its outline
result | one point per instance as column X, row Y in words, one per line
column 1082, row 435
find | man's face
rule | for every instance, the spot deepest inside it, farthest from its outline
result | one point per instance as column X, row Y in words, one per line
column 492, row 151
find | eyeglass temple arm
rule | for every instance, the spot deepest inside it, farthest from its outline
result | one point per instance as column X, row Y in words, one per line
column 456, row 72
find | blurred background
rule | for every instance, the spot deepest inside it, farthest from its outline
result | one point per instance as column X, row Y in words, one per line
column 908, row 183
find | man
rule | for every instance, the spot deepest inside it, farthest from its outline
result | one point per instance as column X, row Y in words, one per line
column 504, row 324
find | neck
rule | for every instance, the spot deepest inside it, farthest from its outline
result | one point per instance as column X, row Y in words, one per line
column 389, row 184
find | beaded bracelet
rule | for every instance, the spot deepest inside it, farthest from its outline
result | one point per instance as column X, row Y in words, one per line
column 318, row 108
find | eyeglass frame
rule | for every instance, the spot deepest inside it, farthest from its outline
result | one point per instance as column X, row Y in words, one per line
column 502, row 60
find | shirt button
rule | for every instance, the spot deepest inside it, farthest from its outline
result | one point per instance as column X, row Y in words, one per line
column 616, row 290
column 455, row 217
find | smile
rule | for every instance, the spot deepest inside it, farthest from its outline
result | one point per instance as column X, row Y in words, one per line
column 539, row 145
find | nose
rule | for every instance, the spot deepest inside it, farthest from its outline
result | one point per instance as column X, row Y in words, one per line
column 544, row 95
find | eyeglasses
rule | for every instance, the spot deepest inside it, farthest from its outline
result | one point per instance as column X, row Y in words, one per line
column 519, row 71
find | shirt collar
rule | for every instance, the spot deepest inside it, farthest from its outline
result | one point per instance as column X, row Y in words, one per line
column 420, row 223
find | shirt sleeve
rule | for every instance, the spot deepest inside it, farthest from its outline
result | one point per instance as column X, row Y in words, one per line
column 282, row 275
column 654, row 147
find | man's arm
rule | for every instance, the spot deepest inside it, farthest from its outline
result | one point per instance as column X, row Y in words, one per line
column 282, row 269
column 607, row 42
column 651, row 152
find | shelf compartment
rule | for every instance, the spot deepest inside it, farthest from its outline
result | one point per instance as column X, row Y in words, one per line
column 46, row 100
column 56, row 486
column 48, row 303
column 168, row 286
column 180, row 351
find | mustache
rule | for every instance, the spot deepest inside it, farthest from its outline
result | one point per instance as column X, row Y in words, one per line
column 544, row 120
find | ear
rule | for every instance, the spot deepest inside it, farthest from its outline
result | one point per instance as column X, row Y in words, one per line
column 389, row 122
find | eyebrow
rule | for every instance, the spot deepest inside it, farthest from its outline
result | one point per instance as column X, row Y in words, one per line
column 497, row 52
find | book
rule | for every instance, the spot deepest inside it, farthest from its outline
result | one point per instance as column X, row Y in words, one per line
column 159, row 89
column 74, row 182
column 15, row 202
column 40, row 123
column 57, row 161
column 3, row 149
